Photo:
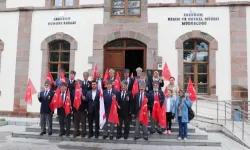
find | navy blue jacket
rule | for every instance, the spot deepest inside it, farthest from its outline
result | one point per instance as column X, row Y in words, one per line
column 45, row 101
column 136, row 105
column 126, row 104
column 93, row 105
column 108, row 99
column 152, row 98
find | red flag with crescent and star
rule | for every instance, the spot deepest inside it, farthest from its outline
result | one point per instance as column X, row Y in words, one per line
column 117, row 84
column 191, row 91
column 113, row 115
column 29, row 92
column 162, row 116
column 78, row 93
column 67, row 104
column 143, row 116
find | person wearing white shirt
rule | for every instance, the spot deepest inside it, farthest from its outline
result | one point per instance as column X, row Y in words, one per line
column 169, row 102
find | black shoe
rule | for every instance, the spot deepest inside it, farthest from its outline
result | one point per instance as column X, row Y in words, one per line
column 67, row 134
column 90, row 136
column 125, row 137
column 83, row 135
column 50, row 134
column 42, row 133
column 152, row 132
column 96, row 136
column 61, row 134
column 105, row 136
column 118, row 137
column 111, row 137
column 146, row 139
column 136, row 138
column 76, row 134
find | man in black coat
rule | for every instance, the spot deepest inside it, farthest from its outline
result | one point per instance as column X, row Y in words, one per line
column 63, row 119
column 45, row 98
column 124, row 100
column 99, row 81
column 130, row 81
column 71, row 87
column 153, row 78
column 86, row 84
column 92, row 99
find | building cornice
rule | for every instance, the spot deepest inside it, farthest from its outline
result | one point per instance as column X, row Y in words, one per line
column 151, row 5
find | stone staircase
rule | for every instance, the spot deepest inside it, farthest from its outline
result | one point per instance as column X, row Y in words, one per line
column 196, row 137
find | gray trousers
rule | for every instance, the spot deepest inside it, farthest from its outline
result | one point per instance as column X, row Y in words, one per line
column 109, row 126
column 46, row 119
column 137, row 128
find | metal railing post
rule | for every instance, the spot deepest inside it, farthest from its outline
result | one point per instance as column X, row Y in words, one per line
column 225, row 113
column 196, row 109
column 243, row 119
column 217, row 112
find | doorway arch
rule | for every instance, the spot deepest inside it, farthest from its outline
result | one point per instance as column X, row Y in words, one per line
column 124, row 53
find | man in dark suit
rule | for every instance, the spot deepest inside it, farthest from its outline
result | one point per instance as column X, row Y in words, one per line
column 71, row 86
column 86, row 84
column 153, row 78
column 63, row 119
column 93, row 97
column 45, row 98
column 129, row 80
column 161, row 97
column 80, row 115
column 108, row 94
column 139, row 97
column 112, row 75
column 99, row 81
column 124, row 100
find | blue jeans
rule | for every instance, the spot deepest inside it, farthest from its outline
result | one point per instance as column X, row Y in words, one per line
column 182, row 128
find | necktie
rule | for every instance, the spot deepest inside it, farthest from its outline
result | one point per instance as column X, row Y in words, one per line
column 109, row 93
column 45, row 93
column 123, row 95
column 140, row 98
column 63, row 97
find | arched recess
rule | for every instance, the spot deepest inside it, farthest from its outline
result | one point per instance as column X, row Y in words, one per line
column 1, row 49
column 105, row 34
column 45, row 51
column 213, row 46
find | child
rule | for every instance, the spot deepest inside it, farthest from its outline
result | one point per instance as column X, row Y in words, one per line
column 169, row 101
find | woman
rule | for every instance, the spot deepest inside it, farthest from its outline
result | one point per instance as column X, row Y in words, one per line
column 181, row 114
column 170, row 104
column 173, row 87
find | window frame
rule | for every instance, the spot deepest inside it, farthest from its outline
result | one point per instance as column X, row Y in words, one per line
column 195, row 64
column 195, row 2
column 63, row 3
column 125, row 10
column 59, row 63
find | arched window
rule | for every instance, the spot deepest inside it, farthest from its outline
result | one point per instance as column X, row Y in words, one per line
column 59, row 57
column 196, row 61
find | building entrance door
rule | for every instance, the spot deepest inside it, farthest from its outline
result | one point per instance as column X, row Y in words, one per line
column 124, row 53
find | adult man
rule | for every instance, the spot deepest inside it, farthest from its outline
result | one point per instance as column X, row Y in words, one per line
column 80, row 115
column 99, row 81
column 63, row 119
column 71, row 86
column 59, row 79
column 155, row 77
column 112, row 75
column 93, row 97
column 138, row 104
column 129, row 80
column 143, row 80
column 45, row 98
column 108, row 94
column 125, row 100
column 152, row 96
column 86, row 84
column 138, row 72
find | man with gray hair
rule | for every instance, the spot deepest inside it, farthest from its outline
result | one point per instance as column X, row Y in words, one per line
column 112, row 75
column 86, row 84
column 138, row 72
column 143, row 80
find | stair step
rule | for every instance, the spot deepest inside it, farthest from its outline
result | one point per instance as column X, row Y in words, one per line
column 171, row 142
column 174, row 134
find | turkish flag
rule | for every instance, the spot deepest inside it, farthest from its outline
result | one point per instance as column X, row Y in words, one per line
column 49, row 77
column 165, row 72
column 113, row 115
column 135, row 88
column 78, row 93
column 95, row 71
column 166, row 91
column 117, row 84
column 156, row 108
column 106, row 76
column 67, row 104
column 54, row 102
column 143, row 116
column 191, row 91
column 29, row 92
column 132, row 76
column 63, row 79
column 162, row 116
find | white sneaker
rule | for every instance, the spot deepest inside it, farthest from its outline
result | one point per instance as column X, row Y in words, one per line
column 185, row 139
column 179, row 138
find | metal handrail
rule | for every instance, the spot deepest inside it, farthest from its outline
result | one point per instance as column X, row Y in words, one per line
column 228, row 105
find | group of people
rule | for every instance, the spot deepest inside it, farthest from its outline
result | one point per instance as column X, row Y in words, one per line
column 129, row 105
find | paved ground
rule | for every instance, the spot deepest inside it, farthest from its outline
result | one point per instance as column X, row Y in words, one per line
column 9, row 143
